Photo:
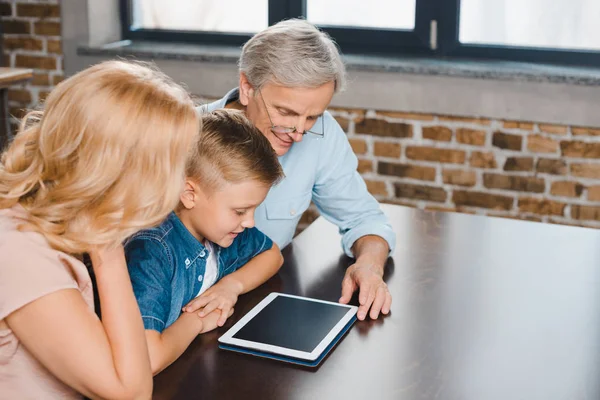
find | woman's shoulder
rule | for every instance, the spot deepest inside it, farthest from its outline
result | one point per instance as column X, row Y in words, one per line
column 31, row 268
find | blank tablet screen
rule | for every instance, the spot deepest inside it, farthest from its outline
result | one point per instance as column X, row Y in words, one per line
column 292, row 323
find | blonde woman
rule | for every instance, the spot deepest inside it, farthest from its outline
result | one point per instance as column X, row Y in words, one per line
column 103, row 160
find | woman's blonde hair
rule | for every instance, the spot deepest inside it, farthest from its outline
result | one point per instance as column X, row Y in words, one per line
column 230, row 149
column 104, row 159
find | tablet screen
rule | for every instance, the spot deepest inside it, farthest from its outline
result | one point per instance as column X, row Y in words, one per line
column 292, row 323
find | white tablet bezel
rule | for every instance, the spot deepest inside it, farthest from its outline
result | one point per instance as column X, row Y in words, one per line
column 228, row 338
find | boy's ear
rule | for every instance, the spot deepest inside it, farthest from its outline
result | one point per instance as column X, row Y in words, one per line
column 189, row 194
column 246, row 89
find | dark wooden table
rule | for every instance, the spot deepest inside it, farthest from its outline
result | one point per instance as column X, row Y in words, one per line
column 484, row 309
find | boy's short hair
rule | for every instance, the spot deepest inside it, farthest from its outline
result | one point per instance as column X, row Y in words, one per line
column 230, row 149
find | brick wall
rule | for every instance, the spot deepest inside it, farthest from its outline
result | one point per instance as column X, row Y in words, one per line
column 514, row 169
column 31, row 39
column 524, row 170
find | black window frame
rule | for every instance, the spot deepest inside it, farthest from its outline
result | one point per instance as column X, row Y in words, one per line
column 439, row 17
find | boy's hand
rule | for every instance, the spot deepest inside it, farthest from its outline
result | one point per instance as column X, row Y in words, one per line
column 222, row 296
column 210, row 322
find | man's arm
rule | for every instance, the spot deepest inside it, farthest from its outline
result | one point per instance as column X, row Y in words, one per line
column 366, row 274
column 342, row 198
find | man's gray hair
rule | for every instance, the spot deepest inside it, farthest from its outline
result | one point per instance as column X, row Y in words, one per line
column 292, row 53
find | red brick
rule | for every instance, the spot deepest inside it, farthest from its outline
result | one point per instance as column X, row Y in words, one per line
column 379, row 127
column 402, row 115
column 551, row 166
column 365, row 166
column 581, row 212
column 37, row 62
column 55, row 46
column 5, row 9
column 483, row 160
column 518, row 125
column 518, row 164
column 519, row 183
column 40, row 80
column 477, row 121
column 23, row 43
column 435, row 154
column 384, row 149
column 43, row 94
column 541, row 206
column 420, row 192
column 57, row 79
column 554, row 129
column 377, row 188
column 507, row 141
column 47, row 28
column 16, row 27
column 482, row 200
column 359, row 146
column 586, row 170
column 585, row 131
column 440, row 133
column 566, row 189
column 459, row 177
column 38, row 10
column 593, row 193
column 19, row 96
column 470, row 136
column 580, row 149
column 406, row 171
column 344, row 123
column 541, row 144
column 17, row 112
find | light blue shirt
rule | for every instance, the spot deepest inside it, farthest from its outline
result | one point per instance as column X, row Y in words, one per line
column 322, row 170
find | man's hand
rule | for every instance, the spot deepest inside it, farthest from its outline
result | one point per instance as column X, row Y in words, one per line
column 373, row 292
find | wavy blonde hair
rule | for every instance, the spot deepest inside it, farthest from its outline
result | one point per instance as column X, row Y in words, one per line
column 104, row 159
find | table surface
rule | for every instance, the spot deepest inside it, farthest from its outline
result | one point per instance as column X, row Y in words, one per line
column 483, row 308
column 10, row 76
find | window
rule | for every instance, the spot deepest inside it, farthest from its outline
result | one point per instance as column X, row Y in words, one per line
column 557, row 31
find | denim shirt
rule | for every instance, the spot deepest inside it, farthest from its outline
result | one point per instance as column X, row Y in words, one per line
column 167, row 264
column 323, row 170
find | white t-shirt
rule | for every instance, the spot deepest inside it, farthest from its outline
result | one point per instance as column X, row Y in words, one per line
column 211, row 272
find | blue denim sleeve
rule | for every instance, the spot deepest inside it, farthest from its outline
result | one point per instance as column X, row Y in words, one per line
column 341, row 194
column 150, row 269
column 248, row 245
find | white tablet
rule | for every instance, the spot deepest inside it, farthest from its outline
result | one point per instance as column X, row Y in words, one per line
column 290, row 326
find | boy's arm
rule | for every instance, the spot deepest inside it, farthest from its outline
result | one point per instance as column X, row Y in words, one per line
column 223, row 295
column 256, row 272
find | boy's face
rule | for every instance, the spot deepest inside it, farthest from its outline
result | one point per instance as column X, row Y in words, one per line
column 220, row 215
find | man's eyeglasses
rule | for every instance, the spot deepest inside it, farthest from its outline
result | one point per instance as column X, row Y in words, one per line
column 284, row 132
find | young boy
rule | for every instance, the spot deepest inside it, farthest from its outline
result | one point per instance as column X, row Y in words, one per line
column 207, row 252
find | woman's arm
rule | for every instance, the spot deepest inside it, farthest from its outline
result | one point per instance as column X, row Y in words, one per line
column 100, row 359
column 168, row 346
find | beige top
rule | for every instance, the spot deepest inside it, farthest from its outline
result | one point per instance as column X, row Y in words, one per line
column 30, row 269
